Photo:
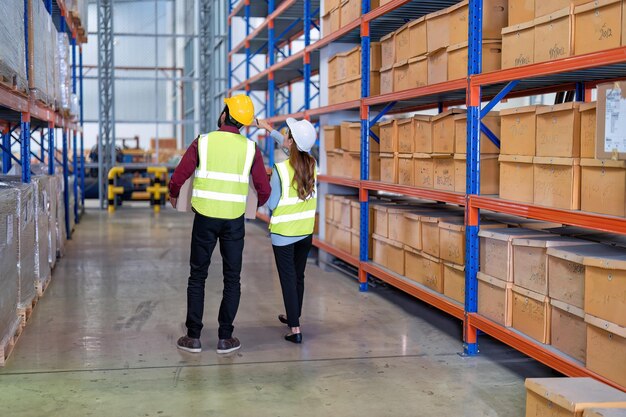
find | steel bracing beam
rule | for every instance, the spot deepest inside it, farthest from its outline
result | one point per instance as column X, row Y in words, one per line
column 106, row 94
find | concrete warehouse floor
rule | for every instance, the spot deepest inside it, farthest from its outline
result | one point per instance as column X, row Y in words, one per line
column 102, row 340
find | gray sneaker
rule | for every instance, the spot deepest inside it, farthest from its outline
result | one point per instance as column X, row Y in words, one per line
column 228, row 345
column 189, row 344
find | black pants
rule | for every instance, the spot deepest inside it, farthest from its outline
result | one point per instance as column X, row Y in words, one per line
column 291, row 262
column 206, row 232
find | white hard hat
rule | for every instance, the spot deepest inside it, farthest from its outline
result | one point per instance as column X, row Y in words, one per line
column 303, row 133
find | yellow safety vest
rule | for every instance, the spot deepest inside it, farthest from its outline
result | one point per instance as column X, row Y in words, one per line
column 292, row 216
column 220, row 187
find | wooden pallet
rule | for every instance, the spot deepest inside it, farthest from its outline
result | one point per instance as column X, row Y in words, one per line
column 43, row 286
column 26, row 312
column 8, row 343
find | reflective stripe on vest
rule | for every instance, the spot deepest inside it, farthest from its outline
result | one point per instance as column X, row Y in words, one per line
column 220, row 187
column 293, row 216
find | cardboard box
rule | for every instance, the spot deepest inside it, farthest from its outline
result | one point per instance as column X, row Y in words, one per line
column 330, row 5
column 418, row 71
column 354, row 164
column 406, row 136
column 343, row 239
column 403, row 44
column 418, row 35
column 458, row 57
column 531, row 314
column 350, row 135
column 543, row 8
column 444, row 172
column 335, row 19
column 568, row 330
column 521, row 11
column 568, row 396
column 452, row 238
column 489, row 173
column 424, row 165
column 518, row 45
column 401, row 76
column 328, row 207
column 558, row 131
column 553, row 35
column 492, row 121
column 389, row 254
column 598, row 26
column 423, row 129
column 353, row 89
column 603, row 186
column 351, row 10
column 454, row 282
column 431, row 235
column 332, row 137
column 518, row 131
column 374, row 166
column 496, row 250
column 334, row 163
column 388, row 136
column 611, row 142
column 395, row 222
column 424, row 269
column 516, row 178
column 566, row 272
column 406, row 170
column 557, row 182
column 438, row 66
column 388, row 50
column 443, row 130
column 330, row 232
column 389, row 168
column 438, row 29
column 412, row 231
column 530, row 260
column 587, row 130
column 353, row 62
column 386, row 80
column 381, row 225
column 606, row 349
column 494, row 299
column 495, row 17
column 605, row 286
column 376, row 58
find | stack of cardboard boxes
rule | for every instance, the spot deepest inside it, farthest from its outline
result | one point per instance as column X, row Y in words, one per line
column 542, row 31
column 430, row 152
column 343, row 151
column 344, row 74
column 340, row 13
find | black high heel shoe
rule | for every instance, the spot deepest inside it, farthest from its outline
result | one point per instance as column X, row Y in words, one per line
column 294, row 338
column 282, row 318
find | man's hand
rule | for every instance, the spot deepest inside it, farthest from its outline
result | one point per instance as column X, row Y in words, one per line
column 174, row 201
column 263, row 124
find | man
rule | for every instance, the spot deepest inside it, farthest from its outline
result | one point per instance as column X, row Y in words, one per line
column 223, row 162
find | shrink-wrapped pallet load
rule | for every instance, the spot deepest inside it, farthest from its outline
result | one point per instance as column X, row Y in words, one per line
column 13, row 50
column 8, row 265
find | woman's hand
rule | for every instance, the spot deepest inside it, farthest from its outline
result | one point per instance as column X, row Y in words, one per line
column 263, row 124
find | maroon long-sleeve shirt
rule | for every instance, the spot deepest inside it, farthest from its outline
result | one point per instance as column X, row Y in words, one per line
column 189, row 163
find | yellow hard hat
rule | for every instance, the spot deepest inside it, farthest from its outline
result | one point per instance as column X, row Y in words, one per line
column 241, row 109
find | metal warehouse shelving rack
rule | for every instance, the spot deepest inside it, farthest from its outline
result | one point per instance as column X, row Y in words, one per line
column 22, row 118
column 555, row 76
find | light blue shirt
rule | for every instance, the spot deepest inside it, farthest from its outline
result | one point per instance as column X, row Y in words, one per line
column 272, row 203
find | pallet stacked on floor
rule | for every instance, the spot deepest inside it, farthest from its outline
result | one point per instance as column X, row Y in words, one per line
column 31, row 238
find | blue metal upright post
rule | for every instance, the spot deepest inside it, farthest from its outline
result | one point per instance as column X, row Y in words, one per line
column 82, row 133
column 25, row 146
column 75, row 170
column 51, row 148
column 66, row 191
column 42, row 149
column 247, row 42
column 271, row 85
column 230, row 47
column 474, row 66
column 6, row 152
column 307, row 54
column 365, row 146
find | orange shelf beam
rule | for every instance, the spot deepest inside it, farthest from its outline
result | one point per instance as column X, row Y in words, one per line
column 428, row 194
column 569, row 217
column 348, row 105
column 344, row 256
column 347, row 182
column 428, row 90
column 13, row 99
column 574, row 63
column 535, row 350
column 416, row 290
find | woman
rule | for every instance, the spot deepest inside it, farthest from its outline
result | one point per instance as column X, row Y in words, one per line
column 293, row 203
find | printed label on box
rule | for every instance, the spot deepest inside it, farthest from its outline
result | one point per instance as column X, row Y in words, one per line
column 615, row 126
